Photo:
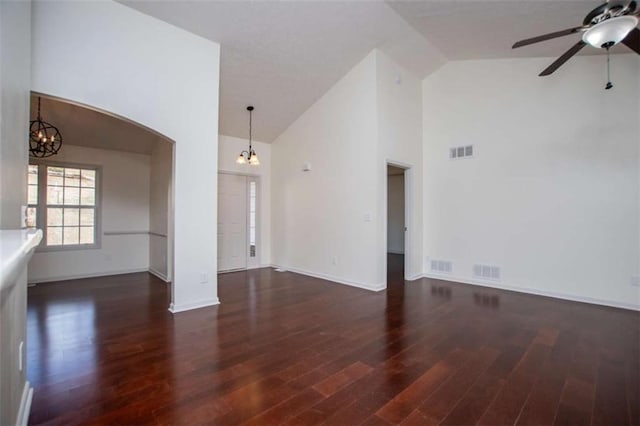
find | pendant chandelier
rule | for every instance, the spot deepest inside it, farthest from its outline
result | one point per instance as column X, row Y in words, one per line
column 44, row 139
column 249, row 156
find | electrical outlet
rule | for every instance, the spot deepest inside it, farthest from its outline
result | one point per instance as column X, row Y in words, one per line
column 334, row 260
column 20, row 349
column 635, row 280
column 204, row 278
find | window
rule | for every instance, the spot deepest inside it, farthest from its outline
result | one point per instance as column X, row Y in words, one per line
column 62, row 202
column 252, row 219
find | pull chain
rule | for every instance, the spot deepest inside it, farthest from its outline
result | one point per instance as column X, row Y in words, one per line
column 609, row 85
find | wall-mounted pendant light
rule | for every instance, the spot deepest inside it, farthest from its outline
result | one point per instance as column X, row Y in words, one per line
column 249, row 156
column 44, row 139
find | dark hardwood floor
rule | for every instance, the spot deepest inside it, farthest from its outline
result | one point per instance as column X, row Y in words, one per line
column 287, row 349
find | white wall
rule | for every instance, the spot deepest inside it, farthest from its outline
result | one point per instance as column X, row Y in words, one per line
column 161, row 77
column 124, row 209
column 395, row 214
column 15, row 63
column 15, row 72
column 400, row 142
column 228, row 150
column 325, row 221
column 160, row 209
column 552, row 195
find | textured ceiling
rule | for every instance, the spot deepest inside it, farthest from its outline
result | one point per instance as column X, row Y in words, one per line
column 281, row 56
column 86, row 127
column 488, row 29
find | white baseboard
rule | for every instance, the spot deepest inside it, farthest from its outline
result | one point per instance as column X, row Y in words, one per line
column 174, row 309
column 536, row 292
column 91, row 275
column 415, row 277
column 25, row 405
column 159, row 274
column 365, row 286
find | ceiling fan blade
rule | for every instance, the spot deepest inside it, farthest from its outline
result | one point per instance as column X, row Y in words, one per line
column 549, row 36
column 632, row 40
column 564, row 58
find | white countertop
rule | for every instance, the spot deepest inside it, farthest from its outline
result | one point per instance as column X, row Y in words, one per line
column 16, row 248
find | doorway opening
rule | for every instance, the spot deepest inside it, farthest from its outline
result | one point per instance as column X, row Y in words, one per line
column 238, row 224
column 104, row 201
column 396, row 224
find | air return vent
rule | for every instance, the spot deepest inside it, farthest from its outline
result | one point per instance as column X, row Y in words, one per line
column 460, row 152
column 486, row 272
column 440, row 266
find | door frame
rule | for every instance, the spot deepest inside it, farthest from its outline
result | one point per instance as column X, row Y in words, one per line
column 408, row 212
column 251, row 262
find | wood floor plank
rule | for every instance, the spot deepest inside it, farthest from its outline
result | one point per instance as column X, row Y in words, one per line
column 282, row 348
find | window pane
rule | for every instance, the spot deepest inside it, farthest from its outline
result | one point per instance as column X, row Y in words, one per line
column 86, row 217
column 54, row 194
column 71, row 217
column 33, row 174
column 252, row 216
column 71, row 196
column 71, row 236
column 31, row 217
column 54, row 236
column 55, row 176
column 88, row 197
column 86, row 235
column 54, row 217
column 33, row 194
column 71, row 177
column 88, row 178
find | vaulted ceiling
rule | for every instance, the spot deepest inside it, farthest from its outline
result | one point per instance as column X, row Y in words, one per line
column 281, row 56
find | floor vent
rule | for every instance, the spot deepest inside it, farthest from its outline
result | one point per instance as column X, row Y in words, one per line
column 440, row 266
column 487, row 272
column 460, row 152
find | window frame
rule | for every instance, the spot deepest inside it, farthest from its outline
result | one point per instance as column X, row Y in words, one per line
column 253, row 261
column 41, row 207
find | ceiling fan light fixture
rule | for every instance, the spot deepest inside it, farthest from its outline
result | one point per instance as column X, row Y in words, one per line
column 610, row 32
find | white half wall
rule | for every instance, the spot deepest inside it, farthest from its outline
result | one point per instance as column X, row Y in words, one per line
column 160, row 208
column 228, row 150
column 325, row 221
column 552, row 193
column 395, row 214
column 124, row 210
column 156, row 75
column 15, row 75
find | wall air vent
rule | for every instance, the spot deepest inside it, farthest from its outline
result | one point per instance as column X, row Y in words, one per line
column 486, row 272
column 440, row 266
column 460, row 152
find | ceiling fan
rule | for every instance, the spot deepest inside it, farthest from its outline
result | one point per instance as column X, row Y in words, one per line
column 605, row 26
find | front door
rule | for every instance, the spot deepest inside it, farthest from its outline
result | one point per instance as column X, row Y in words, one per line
column 232, row 222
